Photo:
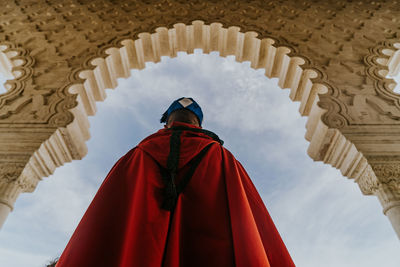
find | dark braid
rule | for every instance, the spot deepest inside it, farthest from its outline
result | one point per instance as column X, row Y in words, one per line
column 170, row 193
column 171, row 190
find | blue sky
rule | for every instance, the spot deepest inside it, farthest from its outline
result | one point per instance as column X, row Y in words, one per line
column 322, row 216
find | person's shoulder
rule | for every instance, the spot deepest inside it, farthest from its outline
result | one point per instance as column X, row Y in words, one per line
column 154, row 136
column 228, row 154
column 128, row 154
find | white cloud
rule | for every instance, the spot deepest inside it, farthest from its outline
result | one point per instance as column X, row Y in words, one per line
column 327, row 222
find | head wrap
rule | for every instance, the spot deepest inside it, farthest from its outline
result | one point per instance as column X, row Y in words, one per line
column 183, row 103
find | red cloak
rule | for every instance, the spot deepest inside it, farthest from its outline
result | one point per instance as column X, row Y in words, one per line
column 219, row 219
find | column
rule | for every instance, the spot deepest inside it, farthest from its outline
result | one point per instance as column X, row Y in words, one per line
column 386, row 187
column 389, row 196
column 381, row 178
column 9, row 191
column 4, row 211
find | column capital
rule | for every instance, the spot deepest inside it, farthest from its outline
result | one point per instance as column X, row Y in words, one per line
column 382, row 178
column 14, row 179
column 368, row 182
column 381, row 175
column 388, row 174
column 10, row 171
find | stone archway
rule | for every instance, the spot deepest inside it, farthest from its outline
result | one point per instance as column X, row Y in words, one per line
column 353, row 112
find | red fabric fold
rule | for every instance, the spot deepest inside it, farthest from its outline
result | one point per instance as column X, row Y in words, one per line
column 219, row 219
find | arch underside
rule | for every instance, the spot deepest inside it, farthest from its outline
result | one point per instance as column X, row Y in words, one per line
column 333, row 57
column 68, row 143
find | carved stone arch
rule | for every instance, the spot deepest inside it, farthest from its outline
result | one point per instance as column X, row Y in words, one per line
column 295, row 72
column 88, row 83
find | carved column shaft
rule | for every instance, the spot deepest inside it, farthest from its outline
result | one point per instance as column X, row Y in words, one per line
column 389, row 196
column 383, row 180
column 8, row 195
column 4, row 211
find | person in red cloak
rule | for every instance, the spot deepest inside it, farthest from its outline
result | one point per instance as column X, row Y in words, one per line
column 179, row 198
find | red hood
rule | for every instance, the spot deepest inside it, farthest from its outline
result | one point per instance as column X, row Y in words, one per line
column 157, row 145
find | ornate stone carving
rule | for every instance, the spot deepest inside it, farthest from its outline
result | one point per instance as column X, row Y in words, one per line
column 305, row 28
column 368, row 182
column 386, row 102
column 387, row 172
column 14, row 180
column 9, row 172
column 382, row 178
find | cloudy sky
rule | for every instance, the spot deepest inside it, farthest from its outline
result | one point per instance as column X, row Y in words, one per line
column 322, row 216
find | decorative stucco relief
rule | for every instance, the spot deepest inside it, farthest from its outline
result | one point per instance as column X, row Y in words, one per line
column 10, row 172
column 381, row 178
column 387, row 172
column 368, row 182
column 334, row 37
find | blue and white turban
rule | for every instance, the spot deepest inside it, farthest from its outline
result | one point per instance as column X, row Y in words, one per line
column 183, row 103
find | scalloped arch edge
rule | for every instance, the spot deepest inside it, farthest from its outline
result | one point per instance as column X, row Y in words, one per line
column 326, row 144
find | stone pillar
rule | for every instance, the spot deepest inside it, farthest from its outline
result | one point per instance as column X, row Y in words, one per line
column 389, row 196
column 394, row 217
column 382, row 178
column 8, row 195
column 4, row 211
column 9, row 192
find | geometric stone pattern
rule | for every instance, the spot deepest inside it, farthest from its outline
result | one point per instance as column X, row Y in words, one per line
column 332, row 55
